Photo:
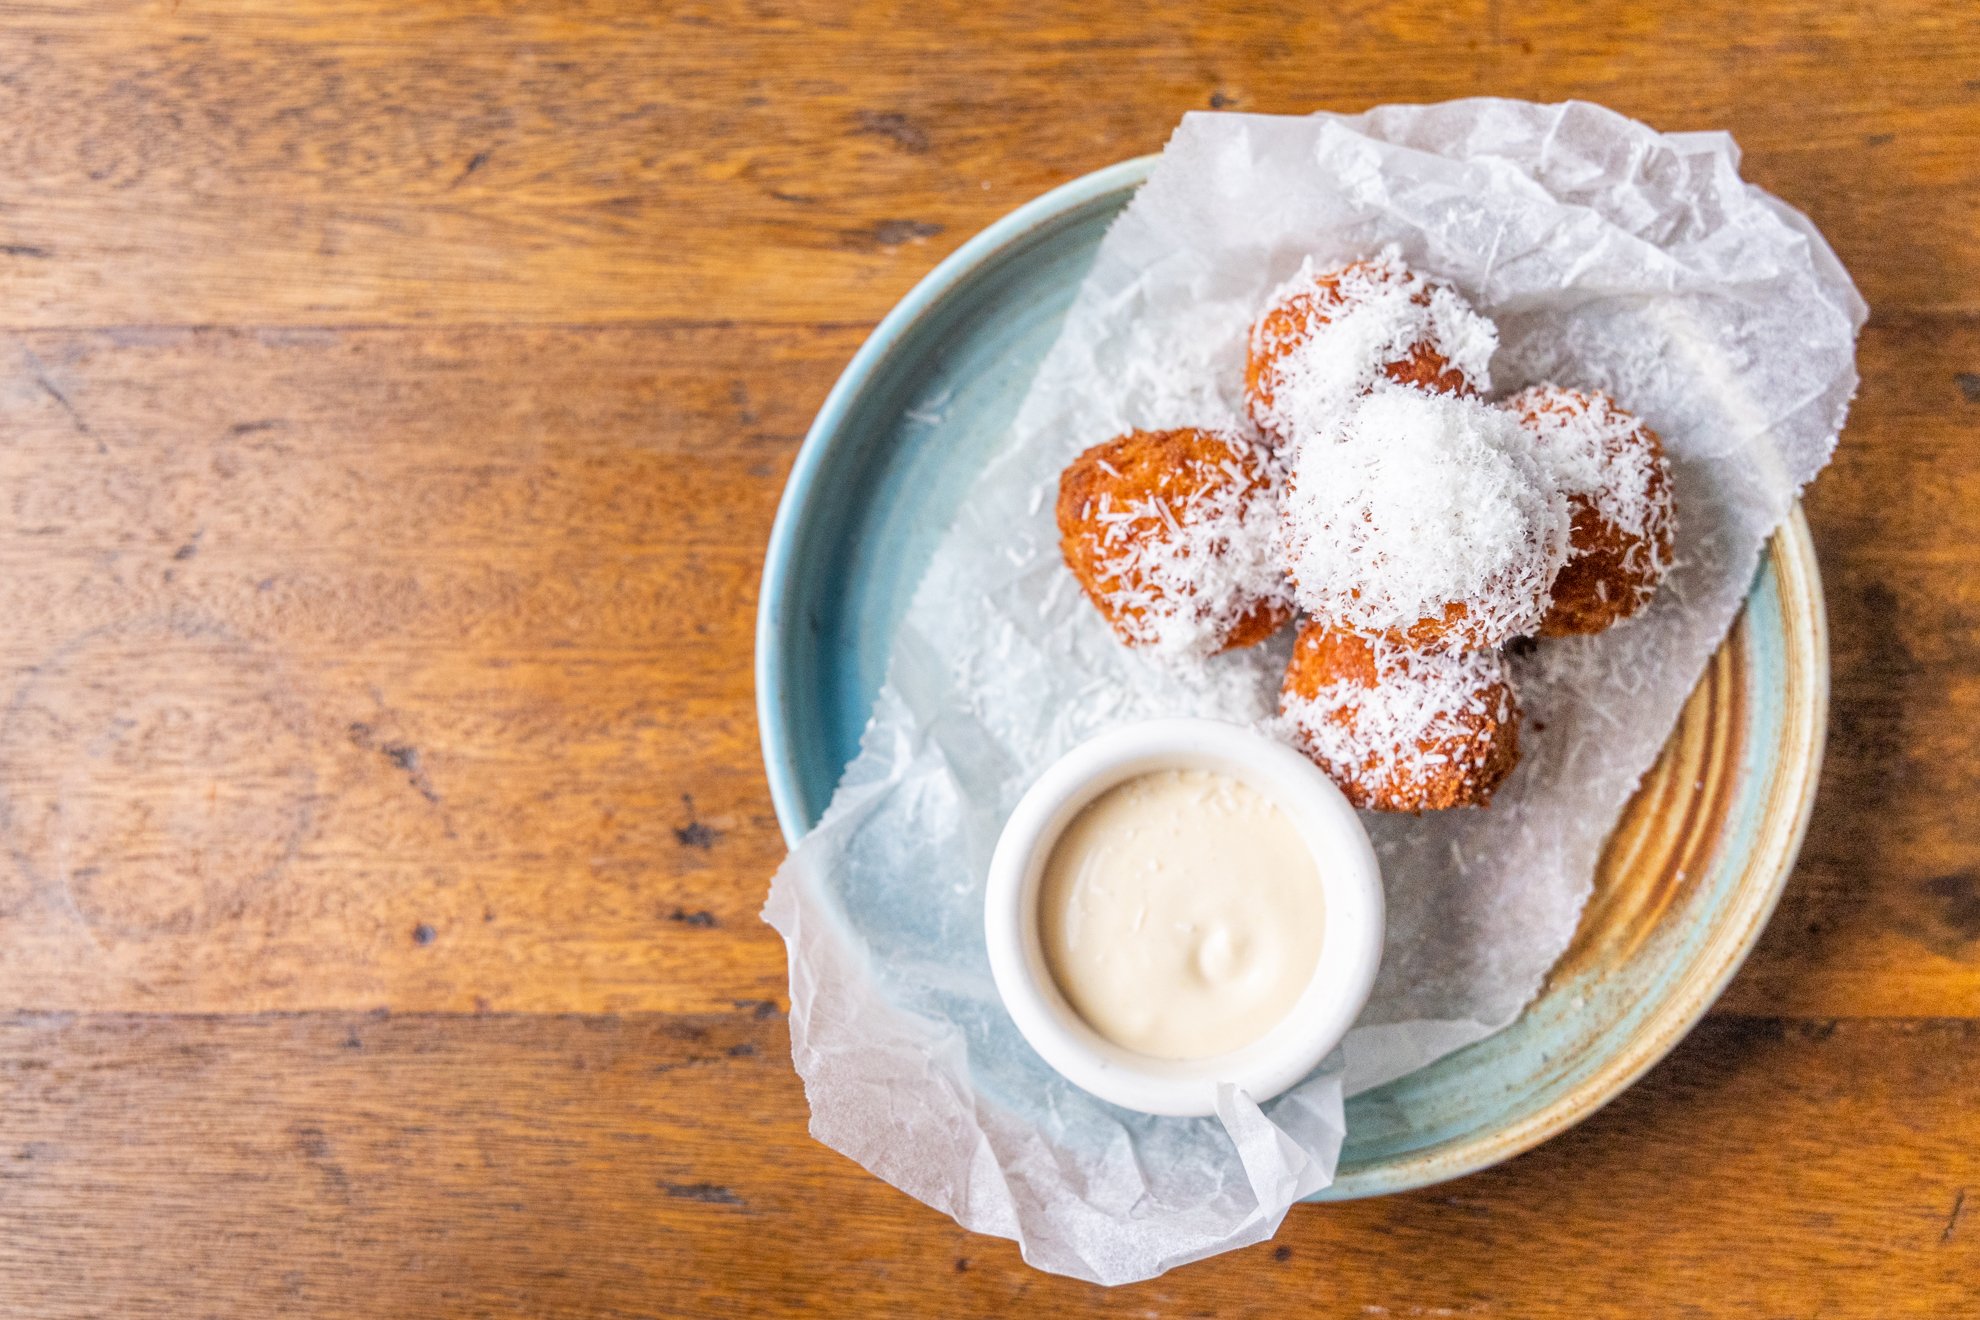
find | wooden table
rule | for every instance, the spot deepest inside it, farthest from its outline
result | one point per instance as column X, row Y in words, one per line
column 393, row 404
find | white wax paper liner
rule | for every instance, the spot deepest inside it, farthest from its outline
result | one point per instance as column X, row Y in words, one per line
column 1612, row 257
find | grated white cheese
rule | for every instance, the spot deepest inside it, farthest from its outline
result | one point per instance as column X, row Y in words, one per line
column 1405, row 502
column 1181, row 566
column 1342, row 338
column 1607, row 460
column 1425, row 711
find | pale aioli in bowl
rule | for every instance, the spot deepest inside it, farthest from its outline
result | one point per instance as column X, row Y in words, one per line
column 1181, row 914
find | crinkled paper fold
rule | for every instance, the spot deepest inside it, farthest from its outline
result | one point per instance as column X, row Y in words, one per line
column 1612, row 257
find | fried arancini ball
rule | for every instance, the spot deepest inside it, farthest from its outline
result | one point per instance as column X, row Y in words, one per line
column 1618, row 483
column 1328, row 335
column 1425, row 519
column 1170, row 535
column 1400, row 730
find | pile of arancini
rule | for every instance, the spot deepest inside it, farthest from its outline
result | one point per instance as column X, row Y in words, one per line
column 1417, row 525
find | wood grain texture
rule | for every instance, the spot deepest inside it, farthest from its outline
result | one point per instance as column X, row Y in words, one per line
column 453, row 626
column 800, row 160
column 536, row 1165
column 494, row 590
column 393, row 406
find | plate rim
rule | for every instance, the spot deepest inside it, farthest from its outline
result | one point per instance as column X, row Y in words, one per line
column 774, row 584
column 1790, row 547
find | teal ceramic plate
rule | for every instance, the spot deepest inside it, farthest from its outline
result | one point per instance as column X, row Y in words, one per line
column 1690, row 875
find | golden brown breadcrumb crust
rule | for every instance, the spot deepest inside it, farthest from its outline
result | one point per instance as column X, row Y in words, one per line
column 1462, row 767
column 1287, row 324
column 1169, row 466
column 1608, row 575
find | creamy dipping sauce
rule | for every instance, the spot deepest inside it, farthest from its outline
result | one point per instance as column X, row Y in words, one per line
column 1181, row 914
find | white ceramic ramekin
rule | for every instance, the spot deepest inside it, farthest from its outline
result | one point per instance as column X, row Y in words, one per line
column 1351, row 946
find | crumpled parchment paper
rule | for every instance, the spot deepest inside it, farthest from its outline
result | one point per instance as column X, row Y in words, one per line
column 1611, row 256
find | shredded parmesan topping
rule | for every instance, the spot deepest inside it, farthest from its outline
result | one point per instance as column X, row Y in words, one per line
column 1181, row 566
column 1405, row 502
column 1375, row 314
column 1425, row 712
column 1608, row 460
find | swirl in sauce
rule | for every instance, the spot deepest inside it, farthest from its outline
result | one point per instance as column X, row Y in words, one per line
column 1181, row 914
